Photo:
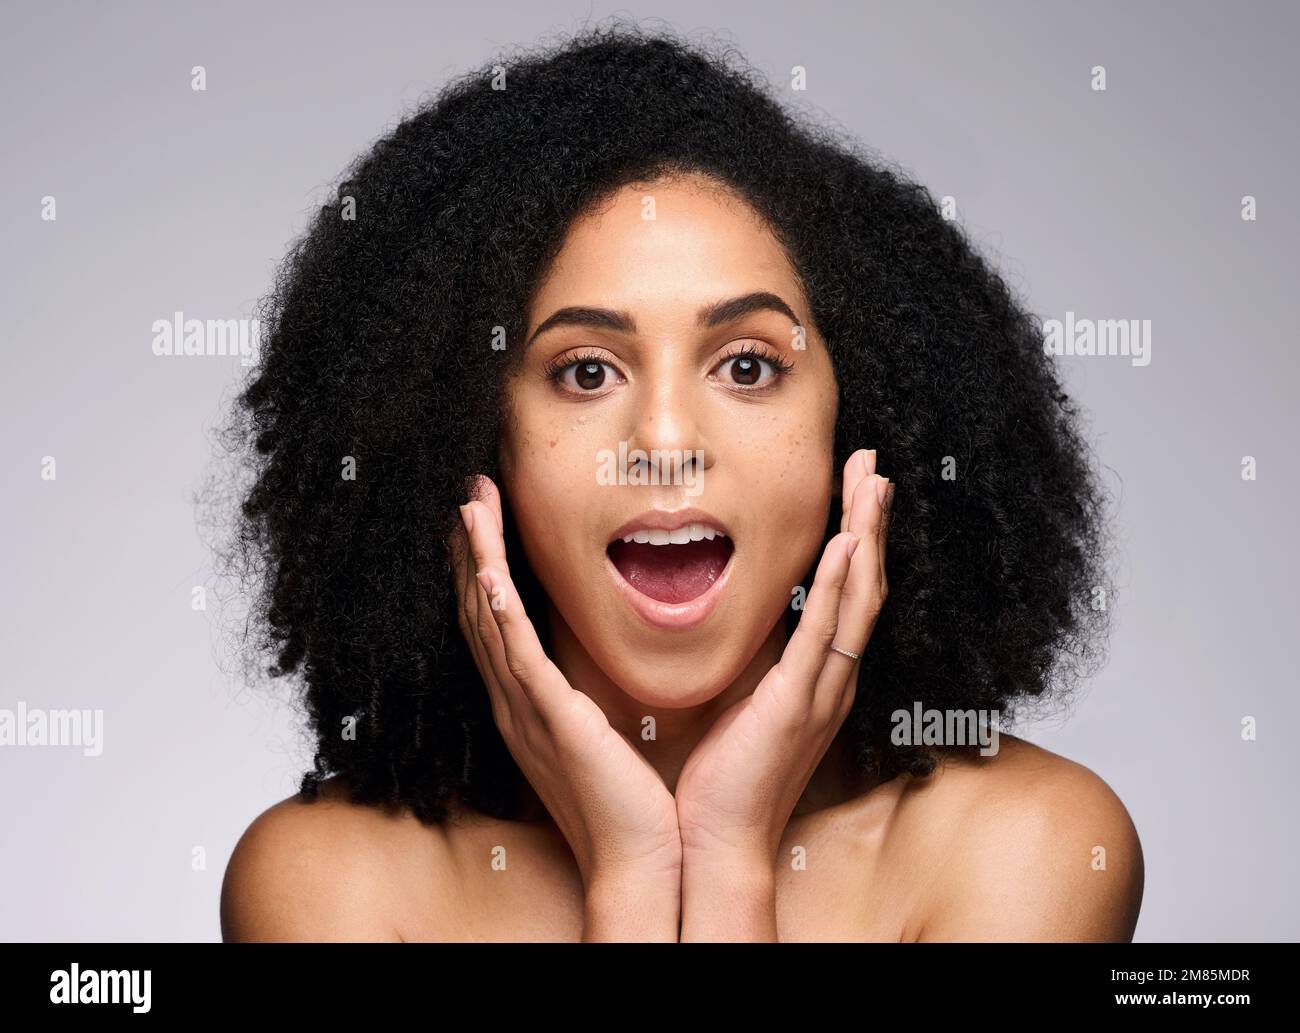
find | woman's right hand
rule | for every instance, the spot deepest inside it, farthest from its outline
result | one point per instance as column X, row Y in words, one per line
column 619, row 818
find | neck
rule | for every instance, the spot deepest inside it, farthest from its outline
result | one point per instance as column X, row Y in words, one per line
column 678, row 731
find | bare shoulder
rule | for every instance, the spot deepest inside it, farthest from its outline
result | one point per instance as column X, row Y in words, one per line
column 1037, row 847
column 327, row 869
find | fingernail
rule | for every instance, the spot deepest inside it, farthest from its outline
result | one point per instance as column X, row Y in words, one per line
column 853, row 544
column 869, row 461
column 882, row 487
column 485, row 579
column 467, row 515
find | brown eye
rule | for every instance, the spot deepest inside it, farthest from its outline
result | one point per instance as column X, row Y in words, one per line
column 584, row 375
column 589, row 375
column 746, row 370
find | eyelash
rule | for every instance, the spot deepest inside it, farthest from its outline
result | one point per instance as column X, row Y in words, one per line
column 555, row 369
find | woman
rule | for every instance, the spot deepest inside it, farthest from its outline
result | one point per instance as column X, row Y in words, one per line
column 589, row 422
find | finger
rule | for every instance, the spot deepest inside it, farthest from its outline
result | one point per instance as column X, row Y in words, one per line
column 457, row 544
column 519, row 662
column 867, row 519
column 485, row 507
column 516, row 653
column 469, row 597
column 486, row 539
column 471, row 604
column 861, row 599
column 488, row 552
column 805, row 653
column 486, row 491
column 859, row 465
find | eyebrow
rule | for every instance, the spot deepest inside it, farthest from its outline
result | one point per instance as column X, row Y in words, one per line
column 716, row 314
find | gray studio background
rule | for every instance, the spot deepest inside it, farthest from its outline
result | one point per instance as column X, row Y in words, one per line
column 1124, row 204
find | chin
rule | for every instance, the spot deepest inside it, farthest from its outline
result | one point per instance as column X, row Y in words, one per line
column 674, row 669
column 677, row 683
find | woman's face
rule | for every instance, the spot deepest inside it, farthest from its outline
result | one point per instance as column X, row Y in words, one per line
column 631, row 407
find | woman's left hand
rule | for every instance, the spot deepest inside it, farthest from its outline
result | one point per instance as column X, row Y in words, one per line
column 740, row 785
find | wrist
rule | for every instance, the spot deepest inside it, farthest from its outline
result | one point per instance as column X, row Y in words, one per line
column 618, row 871
column 627, row 906
column 747, row 870
column 708, row 853
column 729, row 897
column 624, row 880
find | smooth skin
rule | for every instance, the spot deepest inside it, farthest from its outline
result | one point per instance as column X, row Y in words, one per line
column 740, row 819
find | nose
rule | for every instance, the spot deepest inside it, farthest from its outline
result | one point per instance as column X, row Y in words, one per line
column 668, row 426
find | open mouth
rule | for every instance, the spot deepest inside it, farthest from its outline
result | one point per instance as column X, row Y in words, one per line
column 672, row 566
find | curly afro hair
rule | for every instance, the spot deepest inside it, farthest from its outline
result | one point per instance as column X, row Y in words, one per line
column 378, row 357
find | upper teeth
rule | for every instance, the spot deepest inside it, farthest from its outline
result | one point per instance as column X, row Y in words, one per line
column 682, row 535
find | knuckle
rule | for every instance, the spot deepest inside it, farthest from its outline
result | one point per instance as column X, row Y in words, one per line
column 797, row 717
column 831, row 718
column 841, row 579
column 520, row 669
column 794, row 710
column 575, row 711
column 822, row 714
column 825, row 626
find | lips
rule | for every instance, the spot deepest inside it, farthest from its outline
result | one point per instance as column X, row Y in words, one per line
column 672, row 567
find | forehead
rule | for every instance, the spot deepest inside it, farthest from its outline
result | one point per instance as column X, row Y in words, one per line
column 663, row 246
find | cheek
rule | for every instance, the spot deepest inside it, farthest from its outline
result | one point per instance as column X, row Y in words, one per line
column 787, row 460
column 796, row 505
column 790, row 481
column 549, row 483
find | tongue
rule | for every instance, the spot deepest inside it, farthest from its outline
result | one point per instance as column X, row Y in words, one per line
column 671, row 573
